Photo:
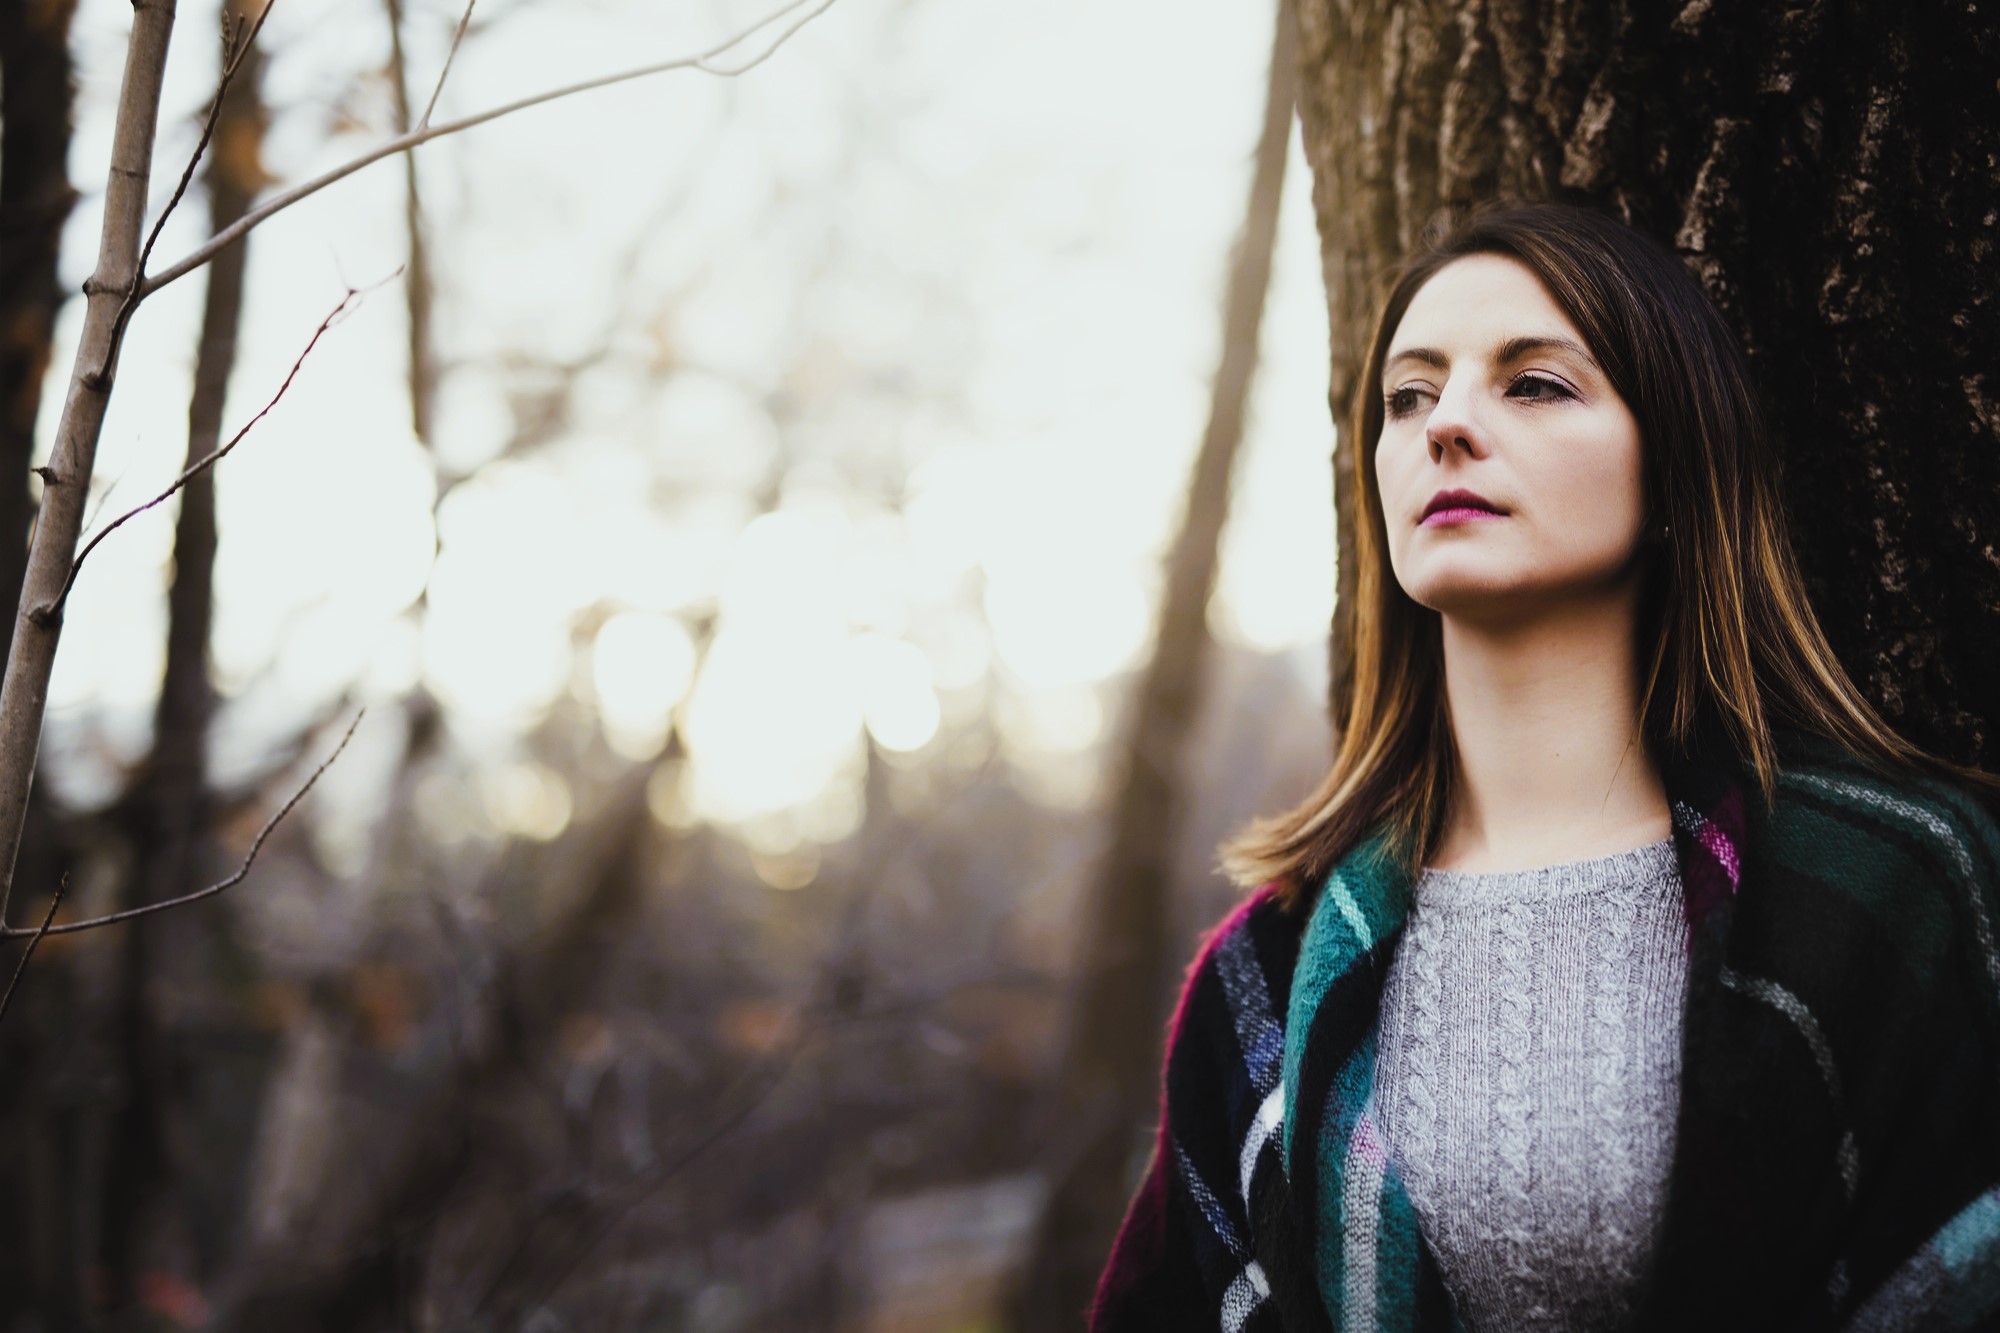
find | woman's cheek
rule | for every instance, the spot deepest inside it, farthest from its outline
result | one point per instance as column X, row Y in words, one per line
column 1395, row 503
column 1602, row 512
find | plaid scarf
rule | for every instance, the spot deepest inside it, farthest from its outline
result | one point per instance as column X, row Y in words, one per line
column 1837, row 1154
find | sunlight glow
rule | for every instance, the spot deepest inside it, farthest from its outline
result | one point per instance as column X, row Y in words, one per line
column 667, row 796
column 641, row 666
column 1064, row 619
column 949, row 512
column 861, row 424
column 1064, row 720
column 897, row 701
column 708, row 429
column 496, row 640
column 312, row 511
column 1275, row 580
column 527, row 799
column 787, row 870
column 958, row 647
column 775, row 716
column 773, row 719
column 486, row 654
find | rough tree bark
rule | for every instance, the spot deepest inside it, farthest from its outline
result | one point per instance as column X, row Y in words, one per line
column 1108, row 1085
column 1830, row 173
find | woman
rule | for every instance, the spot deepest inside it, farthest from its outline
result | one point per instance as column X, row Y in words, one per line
column 1626, row 971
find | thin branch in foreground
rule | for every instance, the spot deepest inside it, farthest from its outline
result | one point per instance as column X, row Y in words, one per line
column 29, row 952
column 256, row 845
column 769, row 51
column 464, row 20
column 233, row 51
column 403, row 143
column 52, row 611
column 102, row 500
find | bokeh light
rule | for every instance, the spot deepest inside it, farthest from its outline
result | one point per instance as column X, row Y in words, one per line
column 641, row 667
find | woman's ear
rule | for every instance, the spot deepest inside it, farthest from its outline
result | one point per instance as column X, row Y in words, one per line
column 1656, row 532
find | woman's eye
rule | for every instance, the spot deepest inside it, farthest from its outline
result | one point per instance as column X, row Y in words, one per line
column 1538, row 389
column 1400, row 402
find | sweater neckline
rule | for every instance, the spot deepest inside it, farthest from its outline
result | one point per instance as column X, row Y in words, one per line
column 1653, row 863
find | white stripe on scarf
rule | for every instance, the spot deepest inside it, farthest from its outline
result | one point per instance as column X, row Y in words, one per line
column 1245, row 1294
column 1360, row 1216
column 1269, row 1117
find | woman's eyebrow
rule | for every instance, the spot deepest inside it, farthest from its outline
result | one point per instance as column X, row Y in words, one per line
column 1511, row 350
column 1516, row 348
column 1429, row 356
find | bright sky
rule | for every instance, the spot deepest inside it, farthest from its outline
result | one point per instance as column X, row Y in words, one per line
column 943, row 279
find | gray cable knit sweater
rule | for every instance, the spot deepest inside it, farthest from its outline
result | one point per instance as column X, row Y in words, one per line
column 1527, row 1080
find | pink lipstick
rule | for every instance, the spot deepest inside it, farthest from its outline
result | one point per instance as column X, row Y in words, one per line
column 1458, row 506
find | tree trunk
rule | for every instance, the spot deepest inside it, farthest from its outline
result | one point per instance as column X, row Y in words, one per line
column 417, row 277
column 165, row 808
column 1827, row 170
column 1109, row 1081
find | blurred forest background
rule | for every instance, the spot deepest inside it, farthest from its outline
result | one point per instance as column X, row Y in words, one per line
column 826, row 553
column 745, row 507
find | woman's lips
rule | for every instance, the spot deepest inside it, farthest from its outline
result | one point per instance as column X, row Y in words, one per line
column 1457, row 514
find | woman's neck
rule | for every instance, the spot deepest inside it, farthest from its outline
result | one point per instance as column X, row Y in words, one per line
column 1544, row 713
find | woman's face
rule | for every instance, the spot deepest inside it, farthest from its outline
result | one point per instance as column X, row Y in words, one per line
column 1489, row 388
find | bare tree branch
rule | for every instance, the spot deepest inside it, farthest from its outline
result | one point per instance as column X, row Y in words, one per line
column 55, row 901
column 464, row 21
column 50, row 612
column 116, row 285
column 102, row 501
column 31, row 657
column 113, row 289
column 234, row 49
column 256, row 845
column 403, row 143
column 769, row 51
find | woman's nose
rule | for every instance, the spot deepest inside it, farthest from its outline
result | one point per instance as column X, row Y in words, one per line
column 1454, row 425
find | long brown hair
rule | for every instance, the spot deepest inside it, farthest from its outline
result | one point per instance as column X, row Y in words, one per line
column 1734, row 648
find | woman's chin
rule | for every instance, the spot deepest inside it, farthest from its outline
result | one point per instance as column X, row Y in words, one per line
column 1480, row 610
column 1486, row 599
column 1460, row 594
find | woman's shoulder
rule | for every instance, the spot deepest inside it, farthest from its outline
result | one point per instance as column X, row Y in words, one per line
column 1240, row 978
column 1885, row 821
column 1273, row 909
column 1909, row 856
